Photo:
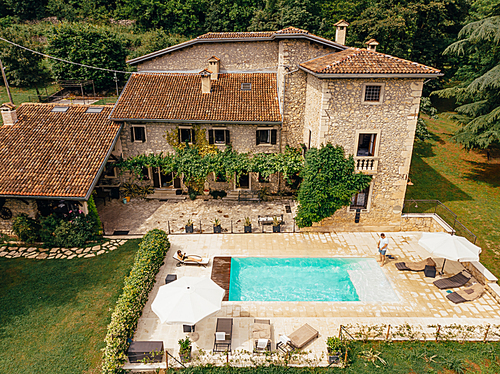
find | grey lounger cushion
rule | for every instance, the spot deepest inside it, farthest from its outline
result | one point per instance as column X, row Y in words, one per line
column 415, row 266
column 467, row 294
column 457, row 280
column 302, row 336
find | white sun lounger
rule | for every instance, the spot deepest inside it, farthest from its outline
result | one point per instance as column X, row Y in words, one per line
column 191, row 260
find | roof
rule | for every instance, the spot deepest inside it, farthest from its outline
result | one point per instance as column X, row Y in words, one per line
column 55, row 154
column 217, row 37
column 363, row 61
column 177, row 97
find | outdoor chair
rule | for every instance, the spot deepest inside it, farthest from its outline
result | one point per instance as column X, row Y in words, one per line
column 223, row 335
column 467, row 294
column 261, row 333
column 191, row 260
column 415, row 266
column 170, row 278
column 298, row 339
column 457, row 280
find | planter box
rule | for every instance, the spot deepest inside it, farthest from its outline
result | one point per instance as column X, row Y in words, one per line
column 276, row 228
column 189, row 229
column 217, row 229
column 152, row 351
column 185, row 357
column 248, row 229
column 334, row 358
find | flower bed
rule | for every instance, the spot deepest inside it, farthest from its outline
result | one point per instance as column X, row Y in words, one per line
column 138, row 284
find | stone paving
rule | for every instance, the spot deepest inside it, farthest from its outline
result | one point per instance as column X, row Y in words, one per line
column 421, row 303
column 140, row 216
column 60, row 253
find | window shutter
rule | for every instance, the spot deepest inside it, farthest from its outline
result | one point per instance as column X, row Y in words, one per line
column 193, row 140
column 132, row 134
column 143, row 133
column 274, row 134
column 228, row 139
column 257, row 140
column 179, row 132
column 210, row 136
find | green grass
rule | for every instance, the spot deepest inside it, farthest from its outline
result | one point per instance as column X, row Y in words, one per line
column 466, row 182
column 54, row 313
column 25, row 95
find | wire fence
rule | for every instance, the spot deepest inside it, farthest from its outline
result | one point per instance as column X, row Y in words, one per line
column 67, row 99
column 446, row 214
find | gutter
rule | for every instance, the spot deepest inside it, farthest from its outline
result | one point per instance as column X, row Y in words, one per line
column 188, row 121
column 371, row 75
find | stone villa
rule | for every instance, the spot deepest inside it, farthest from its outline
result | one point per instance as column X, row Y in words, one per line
column 262, row 91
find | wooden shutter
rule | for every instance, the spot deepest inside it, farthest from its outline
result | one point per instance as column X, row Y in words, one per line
column 274, row 134
column 132, row 134
column 193, row 140
column 143, row 133
column 257, row 140
column 228, row 139
column 210, row 136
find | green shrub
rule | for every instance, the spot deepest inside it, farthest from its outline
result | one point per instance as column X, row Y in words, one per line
column 138, row 284
column 26, row 228
column 75, row 232
column 48, row 226
column 94, row 215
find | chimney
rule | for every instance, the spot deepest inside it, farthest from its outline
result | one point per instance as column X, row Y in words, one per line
column 206, row 85
column 371, row 45
column 341, row 31
column 9, row 115
column 214, row 66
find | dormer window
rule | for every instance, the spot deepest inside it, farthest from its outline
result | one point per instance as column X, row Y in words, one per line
column 246, row 86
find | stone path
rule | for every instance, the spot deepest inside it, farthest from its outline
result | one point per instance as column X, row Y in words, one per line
column 60, row 253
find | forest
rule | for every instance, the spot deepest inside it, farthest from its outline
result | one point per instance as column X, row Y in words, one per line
column 460, row 37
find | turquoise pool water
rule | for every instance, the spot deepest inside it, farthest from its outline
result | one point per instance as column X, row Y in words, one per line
column 308, row 279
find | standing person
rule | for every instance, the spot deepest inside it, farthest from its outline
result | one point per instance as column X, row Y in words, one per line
column 383, row 244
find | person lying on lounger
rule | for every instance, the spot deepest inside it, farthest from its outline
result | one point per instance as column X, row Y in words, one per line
column 185, row 257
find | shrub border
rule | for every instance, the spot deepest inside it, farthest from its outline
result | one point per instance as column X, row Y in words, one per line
column 137, row 285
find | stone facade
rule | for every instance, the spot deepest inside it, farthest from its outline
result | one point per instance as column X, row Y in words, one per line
column 17, row 206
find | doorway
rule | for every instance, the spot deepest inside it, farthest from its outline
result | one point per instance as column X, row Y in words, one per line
column 244, row 182
column 161, row 180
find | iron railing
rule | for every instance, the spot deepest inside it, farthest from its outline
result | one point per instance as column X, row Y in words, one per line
column 446, row 214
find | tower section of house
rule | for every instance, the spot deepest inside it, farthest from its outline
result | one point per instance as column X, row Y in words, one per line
column 368, row 103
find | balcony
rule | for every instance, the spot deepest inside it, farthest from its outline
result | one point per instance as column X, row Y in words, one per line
column 367, row 164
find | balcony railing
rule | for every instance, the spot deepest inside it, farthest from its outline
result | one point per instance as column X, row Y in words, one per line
column 366, row 164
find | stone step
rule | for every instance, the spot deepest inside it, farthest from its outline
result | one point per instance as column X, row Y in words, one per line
column 242, row 196
column 167, row 194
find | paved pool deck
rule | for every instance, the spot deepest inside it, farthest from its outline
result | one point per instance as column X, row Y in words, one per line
column 421, row 303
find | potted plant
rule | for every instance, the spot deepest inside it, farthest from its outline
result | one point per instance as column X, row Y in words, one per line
column 276, row 224
column 185, row 349
column 248, row 225
column 189, row 226
column 334, row 347
column 217, row 228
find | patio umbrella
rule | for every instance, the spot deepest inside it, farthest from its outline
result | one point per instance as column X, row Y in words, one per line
column 449, row 247
column 187, row 300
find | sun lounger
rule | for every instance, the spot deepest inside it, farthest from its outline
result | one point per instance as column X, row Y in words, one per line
column 191, row 260
column 261, row 333
column 415, row 266
column 467, row 294
column 457, row 280
column 223, row 335
column 298, row 339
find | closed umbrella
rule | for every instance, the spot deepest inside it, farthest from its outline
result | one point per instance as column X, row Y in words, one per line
column 449, row 247
column 187, row 300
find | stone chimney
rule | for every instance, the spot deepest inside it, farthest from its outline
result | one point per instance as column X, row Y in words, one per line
column 371, row 45
column 9, row 115
column 341, row 31
column 206, row 84
column 214, row 66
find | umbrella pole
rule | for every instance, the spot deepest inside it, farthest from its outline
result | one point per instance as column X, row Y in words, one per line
column 444, row 263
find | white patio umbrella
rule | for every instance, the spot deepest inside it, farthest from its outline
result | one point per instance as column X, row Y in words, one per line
column 187, row 300
column 449, row 247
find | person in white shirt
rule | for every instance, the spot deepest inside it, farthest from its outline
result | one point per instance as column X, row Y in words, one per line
column 383, row 244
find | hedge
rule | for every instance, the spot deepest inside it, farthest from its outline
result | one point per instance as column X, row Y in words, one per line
column 137, row 285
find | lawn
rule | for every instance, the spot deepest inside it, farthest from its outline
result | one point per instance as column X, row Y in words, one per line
column 26, row 95
column 54, row 313
column 466, row 182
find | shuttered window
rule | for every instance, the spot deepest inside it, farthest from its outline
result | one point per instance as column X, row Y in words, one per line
column 138, row 133
column 266, row 136
column 216, row 136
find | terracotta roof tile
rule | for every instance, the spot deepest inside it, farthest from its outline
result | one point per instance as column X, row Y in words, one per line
column 54, row 154
column 362, row 61
column 179, row 97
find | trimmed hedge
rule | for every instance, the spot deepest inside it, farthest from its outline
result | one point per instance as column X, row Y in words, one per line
column 138, row 284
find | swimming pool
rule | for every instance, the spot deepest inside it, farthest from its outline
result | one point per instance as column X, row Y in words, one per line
column 308, row 279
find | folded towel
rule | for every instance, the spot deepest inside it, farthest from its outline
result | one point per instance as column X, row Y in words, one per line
column 220, row 336
column 284, row 339
column 262, row 343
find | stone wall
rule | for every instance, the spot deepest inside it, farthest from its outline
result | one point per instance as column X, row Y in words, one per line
column 233, row 57
column 424, row 222
column 312, row 122
column 17, row 206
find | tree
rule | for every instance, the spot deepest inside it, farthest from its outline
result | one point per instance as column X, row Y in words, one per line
column 329, row 182
column 27, row 9
column 478, row 88
column 90, row 45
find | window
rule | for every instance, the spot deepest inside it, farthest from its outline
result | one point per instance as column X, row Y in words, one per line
column 110, row 170
column 220, row 177
column 95, row 109
column 267, row 136
column 60, row 109
column 360, row 200
column 186, row 135
column 138, row 133
column 246, row 86
column 218, row 136
column 262, row 179
column 145, row 174
column 373, row 93
column 366, row 145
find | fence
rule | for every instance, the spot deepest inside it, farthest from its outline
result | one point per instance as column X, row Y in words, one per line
column 438, row 208
column 96, row 100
